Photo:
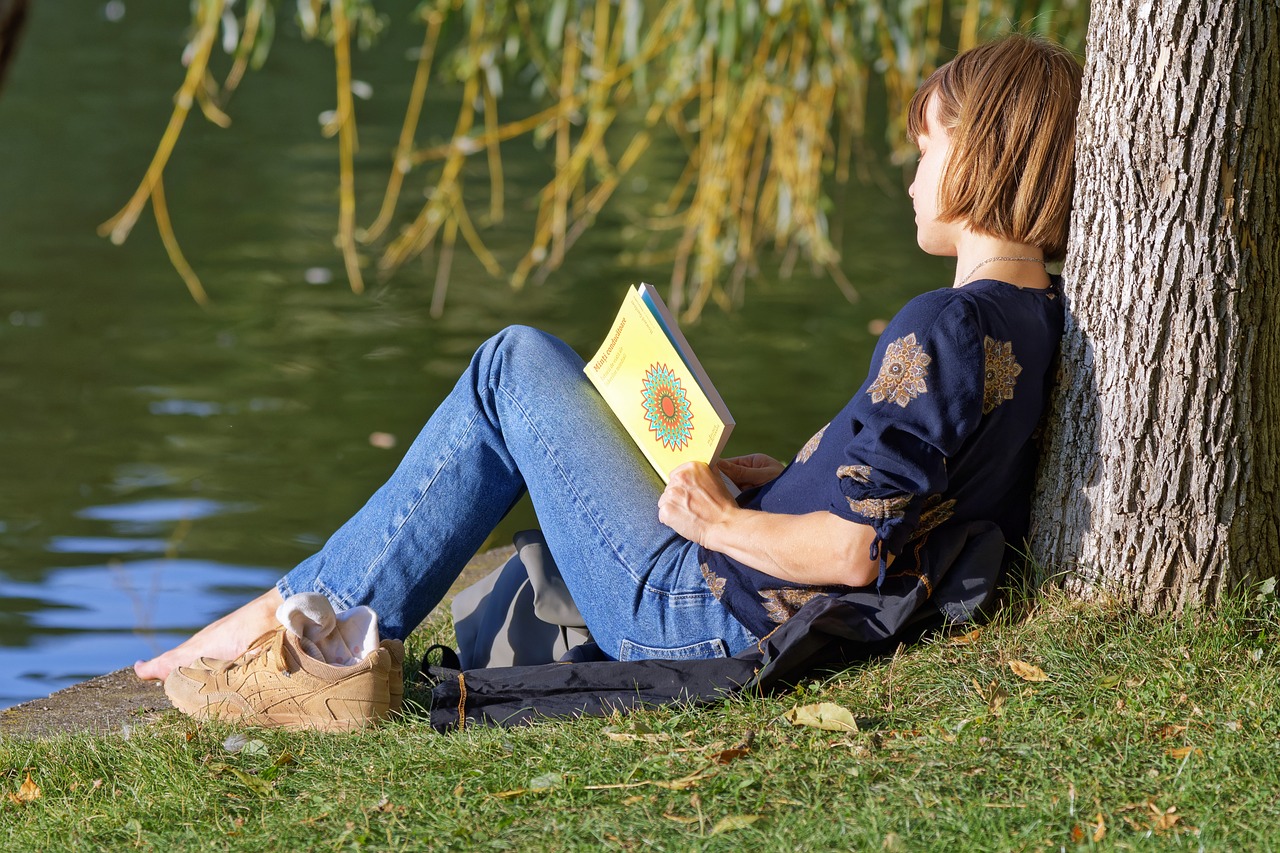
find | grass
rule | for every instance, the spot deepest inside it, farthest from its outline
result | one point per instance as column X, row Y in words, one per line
column 1149, row 732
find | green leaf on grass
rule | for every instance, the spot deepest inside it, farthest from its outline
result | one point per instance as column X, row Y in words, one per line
column 260, row 787
column 546, row 782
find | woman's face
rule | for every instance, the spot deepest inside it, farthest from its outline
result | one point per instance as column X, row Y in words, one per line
column 936, row 238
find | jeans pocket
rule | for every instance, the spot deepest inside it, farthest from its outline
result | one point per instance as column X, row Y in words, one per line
column 696, row 651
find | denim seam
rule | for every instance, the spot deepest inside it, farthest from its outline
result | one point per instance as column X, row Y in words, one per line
column 577, row 496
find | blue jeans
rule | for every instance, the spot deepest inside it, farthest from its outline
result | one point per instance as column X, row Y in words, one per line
column 524, row 417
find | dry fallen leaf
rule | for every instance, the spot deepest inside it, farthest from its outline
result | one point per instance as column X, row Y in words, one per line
column 680, row 818
column 1077, row 834
column 27, row 792
column 385, row 806
column 382, row 440
column 994, row 695
column 628, row 737
column 1181, row 752
column 966, row 639
column 632, row 800
column 824, row 715
column 680, row 784
column 506, row 795
column 893, row 843
column 684, row 782
column 1164, row 820
column 1027, row 672
column 1170, row 730
column 732, row 822
column 724, row 756
column 1100, row 830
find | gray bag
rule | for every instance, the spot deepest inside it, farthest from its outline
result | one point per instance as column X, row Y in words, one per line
column 520, row 614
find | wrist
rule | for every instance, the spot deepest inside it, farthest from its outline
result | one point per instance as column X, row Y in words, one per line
column 719, row 532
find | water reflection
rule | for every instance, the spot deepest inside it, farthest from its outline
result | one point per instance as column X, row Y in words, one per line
column 149, row 512
column 61, row 629
column 163, row 463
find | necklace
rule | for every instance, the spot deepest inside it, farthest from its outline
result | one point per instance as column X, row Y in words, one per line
column 993, row 259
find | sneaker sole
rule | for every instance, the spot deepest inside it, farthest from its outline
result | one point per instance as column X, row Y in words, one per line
column 232, row 707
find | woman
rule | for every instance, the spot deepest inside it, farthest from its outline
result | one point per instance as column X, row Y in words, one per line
column 940, row 433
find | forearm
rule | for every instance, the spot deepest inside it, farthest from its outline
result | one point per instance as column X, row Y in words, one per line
column 815, row 548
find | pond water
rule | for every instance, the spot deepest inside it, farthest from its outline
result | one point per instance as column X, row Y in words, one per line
column 162, row 463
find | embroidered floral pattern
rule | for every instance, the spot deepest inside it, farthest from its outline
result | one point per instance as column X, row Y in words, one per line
column 934, row 512
column 1002, row 373
column 714, row 581
column 879, row 509
column 919, row 576
column 810, row 446
column 857, row 473
column 902, row 372
column 782, row 604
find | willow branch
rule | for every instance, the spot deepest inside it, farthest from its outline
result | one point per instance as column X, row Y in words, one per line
column 119, row 226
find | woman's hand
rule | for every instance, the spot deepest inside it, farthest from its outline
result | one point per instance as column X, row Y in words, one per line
column 695, row 501
column 814, row 548
column 755, row 469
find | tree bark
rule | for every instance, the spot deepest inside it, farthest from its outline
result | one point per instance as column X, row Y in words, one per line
column 1160, row 480
column 13, row 14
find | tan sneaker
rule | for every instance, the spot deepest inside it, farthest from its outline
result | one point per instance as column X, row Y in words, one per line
column 395, row 648
column 276, row 684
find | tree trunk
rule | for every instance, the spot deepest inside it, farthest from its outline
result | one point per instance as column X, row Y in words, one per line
column 13, row 14
column 1160, row 483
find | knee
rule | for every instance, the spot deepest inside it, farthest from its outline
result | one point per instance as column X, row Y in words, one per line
column 525, row 343
column 515, row 338
column 524, row 348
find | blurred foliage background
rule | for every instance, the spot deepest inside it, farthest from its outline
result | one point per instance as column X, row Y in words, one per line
column 771, row 101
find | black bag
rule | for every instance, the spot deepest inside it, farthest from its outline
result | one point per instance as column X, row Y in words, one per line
column 962, row 563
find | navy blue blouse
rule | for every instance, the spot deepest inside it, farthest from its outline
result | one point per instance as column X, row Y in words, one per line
column 940, row 433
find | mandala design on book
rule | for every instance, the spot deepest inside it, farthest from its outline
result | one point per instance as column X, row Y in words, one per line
column 810, row 446
column 902, row 372
column 1001, row 375
column 666, row 407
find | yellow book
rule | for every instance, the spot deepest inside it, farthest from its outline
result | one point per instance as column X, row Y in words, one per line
column 649, row 376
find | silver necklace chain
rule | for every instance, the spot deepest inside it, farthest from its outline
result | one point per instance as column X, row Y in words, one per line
column 995, row 258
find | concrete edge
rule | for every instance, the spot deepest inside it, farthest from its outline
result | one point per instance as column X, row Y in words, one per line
column 119, row 701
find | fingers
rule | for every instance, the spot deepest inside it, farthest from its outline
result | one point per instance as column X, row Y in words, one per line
column 694, row 499
column 753, row 470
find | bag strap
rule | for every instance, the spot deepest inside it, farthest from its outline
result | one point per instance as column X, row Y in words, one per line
column 433, row 673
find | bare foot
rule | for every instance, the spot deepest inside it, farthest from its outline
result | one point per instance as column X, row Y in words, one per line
column 225, row 639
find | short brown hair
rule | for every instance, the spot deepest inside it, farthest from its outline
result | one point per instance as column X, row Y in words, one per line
column 1010, row 107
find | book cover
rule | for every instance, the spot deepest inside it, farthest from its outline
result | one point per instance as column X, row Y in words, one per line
column 648, row 374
